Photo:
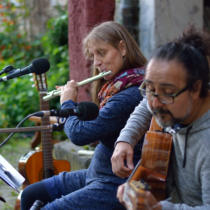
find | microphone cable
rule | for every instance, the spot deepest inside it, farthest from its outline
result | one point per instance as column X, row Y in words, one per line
column 85, row 111
column 18, row 125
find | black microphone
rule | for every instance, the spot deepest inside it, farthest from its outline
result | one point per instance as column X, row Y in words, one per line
column 7, row 69
column 84, row 111
column 38, row 66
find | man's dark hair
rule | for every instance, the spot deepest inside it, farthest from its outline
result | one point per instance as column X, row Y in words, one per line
column 191, row 50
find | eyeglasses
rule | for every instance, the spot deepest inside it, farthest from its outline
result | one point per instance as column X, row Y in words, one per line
column 163, row 98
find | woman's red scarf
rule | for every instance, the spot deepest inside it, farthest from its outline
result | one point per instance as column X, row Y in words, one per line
column 123, row 80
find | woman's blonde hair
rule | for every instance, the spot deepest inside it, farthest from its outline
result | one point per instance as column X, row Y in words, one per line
column 112, row 33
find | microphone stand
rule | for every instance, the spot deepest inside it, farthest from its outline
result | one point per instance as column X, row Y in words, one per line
column 27, row 129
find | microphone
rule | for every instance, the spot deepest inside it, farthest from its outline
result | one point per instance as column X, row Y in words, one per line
column 38, row 66
column 85, row 111
column 7, row 69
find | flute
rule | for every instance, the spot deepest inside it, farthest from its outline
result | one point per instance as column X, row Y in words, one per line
column 55, row 93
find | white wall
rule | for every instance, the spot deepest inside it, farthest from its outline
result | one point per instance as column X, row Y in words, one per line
column 163, row 20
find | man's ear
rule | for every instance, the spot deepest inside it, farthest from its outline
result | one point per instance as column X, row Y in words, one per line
column 196, row 89
column 122, row 48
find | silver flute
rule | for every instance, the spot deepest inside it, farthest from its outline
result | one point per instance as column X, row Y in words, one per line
column 55, row 93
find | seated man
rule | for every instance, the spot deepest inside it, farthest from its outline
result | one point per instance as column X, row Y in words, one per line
column 176, row 88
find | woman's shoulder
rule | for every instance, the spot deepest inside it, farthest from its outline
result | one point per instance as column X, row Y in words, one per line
column 122, row 102
column 127, row 96
column 132, row 91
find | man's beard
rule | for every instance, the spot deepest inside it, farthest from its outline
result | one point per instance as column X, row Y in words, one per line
column 165, row 118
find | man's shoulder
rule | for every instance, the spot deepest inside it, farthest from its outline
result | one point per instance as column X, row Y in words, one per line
column 203, row 123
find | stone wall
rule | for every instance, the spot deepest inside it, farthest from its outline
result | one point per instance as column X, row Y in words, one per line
column 76, row 155
column 163, row 20
column 83, row 15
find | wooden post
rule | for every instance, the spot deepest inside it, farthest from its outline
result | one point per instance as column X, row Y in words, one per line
column 83, row 15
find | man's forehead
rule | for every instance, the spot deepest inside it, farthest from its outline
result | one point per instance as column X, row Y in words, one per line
column 166, row 73
column 161, row 84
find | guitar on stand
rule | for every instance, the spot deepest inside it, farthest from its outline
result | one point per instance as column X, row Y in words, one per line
column 152, row 170
column 39, row 164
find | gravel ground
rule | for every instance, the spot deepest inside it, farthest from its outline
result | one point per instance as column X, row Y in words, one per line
column 12, row 151
column 9, row 195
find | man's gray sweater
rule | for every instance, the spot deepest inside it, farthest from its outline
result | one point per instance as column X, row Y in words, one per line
column 190, row 166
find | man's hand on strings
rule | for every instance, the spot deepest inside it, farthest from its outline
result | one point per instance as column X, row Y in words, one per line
column 144, row 200
column 122, row 159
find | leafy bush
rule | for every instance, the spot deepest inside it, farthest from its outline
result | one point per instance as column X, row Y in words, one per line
column 17, row 96
column 55, row 45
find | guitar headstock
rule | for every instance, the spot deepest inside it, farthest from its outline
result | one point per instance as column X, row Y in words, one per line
column 40, row 81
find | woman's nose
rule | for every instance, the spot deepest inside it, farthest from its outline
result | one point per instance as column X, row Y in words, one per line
column 97, row 62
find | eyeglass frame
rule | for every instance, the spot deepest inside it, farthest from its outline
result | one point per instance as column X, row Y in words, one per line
column 173, row 96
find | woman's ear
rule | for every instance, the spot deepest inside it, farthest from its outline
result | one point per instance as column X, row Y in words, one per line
column 122, row 48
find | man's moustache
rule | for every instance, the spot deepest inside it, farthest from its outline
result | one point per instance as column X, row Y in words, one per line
column 159, row 111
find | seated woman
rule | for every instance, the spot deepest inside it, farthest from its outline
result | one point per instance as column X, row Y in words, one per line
column 110, row 47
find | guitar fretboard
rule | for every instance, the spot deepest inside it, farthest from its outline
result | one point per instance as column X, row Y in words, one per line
column 46, row 136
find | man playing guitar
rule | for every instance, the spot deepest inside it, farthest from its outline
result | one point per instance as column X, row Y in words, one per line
column 176, row 87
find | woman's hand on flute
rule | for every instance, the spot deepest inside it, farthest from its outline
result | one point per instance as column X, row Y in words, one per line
column 68, row 91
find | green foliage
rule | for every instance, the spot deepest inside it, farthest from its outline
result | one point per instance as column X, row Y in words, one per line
column 18, row 99
column 55, row 45
column 58, row 30
column 17, row 96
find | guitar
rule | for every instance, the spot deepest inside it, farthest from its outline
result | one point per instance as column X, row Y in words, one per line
column 151, row 171
column 39, row 164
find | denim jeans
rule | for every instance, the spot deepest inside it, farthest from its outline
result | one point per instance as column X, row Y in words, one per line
column 68, row 190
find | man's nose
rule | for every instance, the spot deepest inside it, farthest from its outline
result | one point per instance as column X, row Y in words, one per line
column 156, row 103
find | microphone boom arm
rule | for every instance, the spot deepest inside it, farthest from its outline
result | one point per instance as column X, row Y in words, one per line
column 27, row 129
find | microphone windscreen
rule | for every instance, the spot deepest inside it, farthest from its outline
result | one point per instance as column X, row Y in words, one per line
column 40, row 65
column 87, row 111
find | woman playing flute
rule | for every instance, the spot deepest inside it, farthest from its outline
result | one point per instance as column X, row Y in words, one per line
column 110, row 47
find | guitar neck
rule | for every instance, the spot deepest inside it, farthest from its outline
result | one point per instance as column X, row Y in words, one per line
column 46, row 136
column 154, row 164
column 133, row 173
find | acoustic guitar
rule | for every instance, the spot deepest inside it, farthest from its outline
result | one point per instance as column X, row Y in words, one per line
column 39, row 164
column 151, row 171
